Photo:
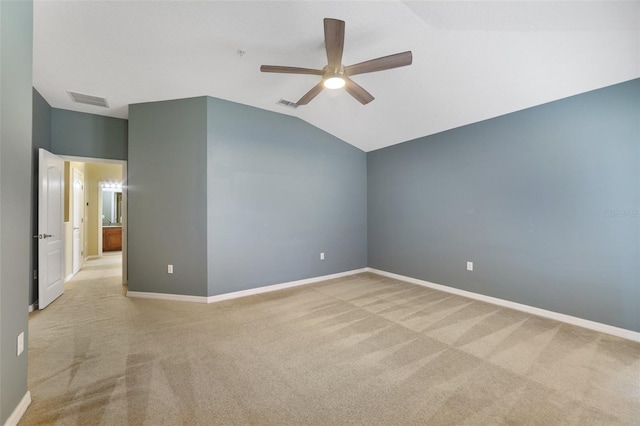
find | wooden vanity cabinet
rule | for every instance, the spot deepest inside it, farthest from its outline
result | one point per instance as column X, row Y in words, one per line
column 112, row 239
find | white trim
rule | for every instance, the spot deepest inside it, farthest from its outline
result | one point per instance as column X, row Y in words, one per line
column 125, row 226
column 242, row 293
column 92, row 160
column 92, row 257
column 100, row 219
column 275, row 287
column 79, row 175
column 167, row 296
column 32, row 307
column 19, row 411
column 68, row 277
column 580, row 322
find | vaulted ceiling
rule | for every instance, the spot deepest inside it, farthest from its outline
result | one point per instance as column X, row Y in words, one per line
column 471, row 60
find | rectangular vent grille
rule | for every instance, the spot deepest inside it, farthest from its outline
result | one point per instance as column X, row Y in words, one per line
column 287, row 103
column 83, row 98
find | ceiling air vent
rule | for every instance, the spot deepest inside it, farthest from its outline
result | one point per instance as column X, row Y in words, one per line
column 287, row 103
column 82, row 98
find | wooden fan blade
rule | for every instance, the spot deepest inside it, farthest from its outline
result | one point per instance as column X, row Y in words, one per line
column 380, row 64
column 334, row 41
column 311, row 94
column 290, row 70
column 355, row 90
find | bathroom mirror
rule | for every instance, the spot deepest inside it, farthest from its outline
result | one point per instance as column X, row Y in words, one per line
column 111, row 206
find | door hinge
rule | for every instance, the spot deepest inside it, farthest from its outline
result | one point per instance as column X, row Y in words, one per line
column 35, row 274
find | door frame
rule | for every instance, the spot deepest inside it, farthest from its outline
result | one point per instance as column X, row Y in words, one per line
column 123, row 163
column 81, row 225
column 100, row 205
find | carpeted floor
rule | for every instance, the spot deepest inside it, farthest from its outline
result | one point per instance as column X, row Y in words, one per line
column 359, row 350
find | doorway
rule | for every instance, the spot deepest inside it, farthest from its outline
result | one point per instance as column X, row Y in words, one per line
column 84, row 207
column 109, row 217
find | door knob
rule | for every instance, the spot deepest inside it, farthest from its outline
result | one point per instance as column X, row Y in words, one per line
column 47, row 235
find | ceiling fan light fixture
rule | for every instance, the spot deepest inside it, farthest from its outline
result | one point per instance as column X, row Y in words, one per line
column 335, row 75
column 334, row 82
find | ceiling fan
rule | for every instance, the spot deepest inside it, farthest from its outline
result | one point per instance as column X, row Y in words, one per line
column 334, row 74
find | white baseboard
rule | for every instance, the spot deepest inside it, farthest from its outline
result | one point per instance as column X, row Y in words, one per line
column 282, row 286
column 19, row 411
column 167, row 296
column 68, row 277
column 242, row 293
column 580, row 322
column 32, row 307
column 92, row 257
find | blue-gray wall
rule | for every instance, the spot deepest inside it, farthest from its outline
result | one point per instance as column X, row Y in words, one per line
column 280, row 192
column 88, row 135
column 41, row 138
column 545, row 202
column 77, row 134
column 235, row 197
column 16, row 41
column 167, row 197
column 41, row 123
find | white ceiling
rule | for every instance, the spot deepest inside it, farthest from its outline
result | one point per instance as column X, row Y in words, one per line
column 471, row 60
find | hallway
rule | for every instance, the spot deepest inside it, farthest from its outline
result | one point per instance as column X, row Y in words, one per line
column 102, row 272
column 62, row 336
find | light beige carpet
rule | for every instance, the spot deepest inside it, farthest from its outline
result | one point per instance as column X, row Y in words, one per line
column 359, row 350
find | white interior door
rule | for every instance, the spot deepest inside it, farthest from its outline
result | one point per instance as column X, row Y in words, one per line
column 50, row 228
column 78, row 219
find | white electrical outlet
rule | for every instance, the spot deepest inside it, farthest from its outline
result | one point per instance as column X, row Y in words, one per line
column 469, row 266
column 322, row 256
column 20, row 343
column 169, row 269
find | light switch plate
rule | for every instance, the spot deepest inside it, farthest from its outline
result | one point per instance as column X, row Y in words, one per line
column 20, row 343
